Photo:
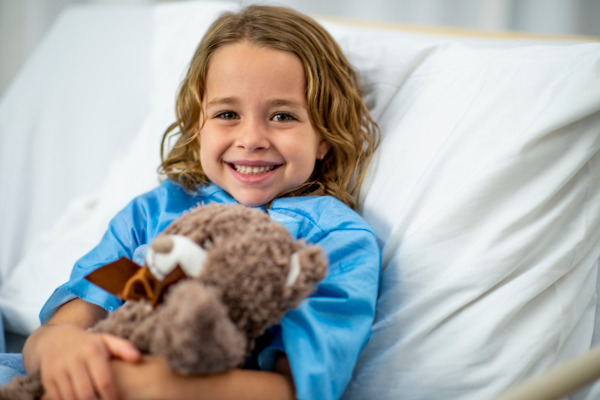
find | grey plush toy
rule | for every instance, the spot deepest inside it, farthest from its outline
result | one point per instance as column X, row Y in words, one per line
column 226, row 273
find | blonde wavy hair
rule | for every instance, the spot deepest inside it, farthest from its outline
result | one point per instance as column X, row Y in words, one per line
column 334, row 99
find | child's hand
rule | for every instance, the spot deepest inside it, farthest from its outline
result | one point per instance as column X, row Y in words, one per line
column 75, row 363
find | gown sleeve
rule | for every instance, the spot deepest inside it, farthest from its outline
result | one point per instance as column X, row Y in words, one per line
column 126, row 231
column 323, row 338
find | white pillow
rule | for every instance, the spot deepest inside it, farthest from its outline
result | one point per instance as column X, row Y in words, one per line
column 485, row 196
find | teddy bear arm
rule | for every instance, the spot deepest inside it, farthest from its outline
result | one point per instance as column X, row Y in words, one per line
column 128, row 322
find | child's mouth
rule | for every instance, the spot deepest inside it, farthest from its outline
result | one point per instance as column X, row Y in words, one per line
column 253, row 170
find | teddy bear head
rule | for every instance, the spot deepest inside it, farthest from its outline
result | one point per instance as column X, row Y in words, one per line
column 255, row 264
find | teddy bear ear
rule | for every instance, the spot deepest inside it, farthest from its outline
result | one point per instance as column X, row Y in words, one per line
column 308, row 266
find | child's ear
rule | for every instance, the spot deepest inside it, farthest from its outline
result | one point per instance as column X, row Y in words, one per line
column 323, row 149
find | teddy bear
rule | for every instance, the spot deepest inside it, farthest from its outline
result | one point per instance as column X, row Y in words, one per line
column 213, row 281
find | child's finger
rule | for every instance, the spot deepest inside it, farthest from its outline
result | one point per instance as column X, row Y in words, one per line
column 65, row 389
column 50, row 392
column 121, row 348
column 102, row 379
column 82, row 383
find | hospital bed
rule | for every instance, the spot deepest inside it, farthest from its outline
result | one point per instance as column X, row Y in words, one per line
column 484, row 193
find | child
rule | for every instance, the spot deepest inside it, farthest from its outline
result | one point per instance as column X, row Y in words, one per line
column 270, row 115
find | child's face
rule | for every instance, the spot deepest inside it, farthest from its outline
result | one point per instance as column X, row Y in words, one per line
column 258, row 140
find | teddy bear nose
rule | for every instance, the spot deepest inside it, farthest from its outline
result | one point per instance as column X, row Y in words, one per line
column 162, row 245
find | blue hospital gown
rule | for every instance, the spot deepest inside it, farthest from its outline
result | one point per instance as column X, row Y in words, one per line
column 324, row 336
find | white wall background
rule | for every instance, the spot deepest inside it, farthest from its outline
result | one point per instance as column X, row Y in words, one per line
column 24, row 22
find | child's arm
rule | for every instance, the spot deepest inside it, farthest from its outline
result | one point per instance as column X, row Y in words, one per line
column 151, row 379
column 69, row 311
column 74, row 363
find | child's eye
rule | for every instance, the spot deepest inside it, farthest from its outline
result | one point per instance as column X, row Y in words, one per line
column 227, row 115
column 283, row 117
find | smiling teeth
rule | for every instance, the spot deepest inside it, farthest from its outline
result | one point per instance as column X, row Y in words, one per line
column 248, row 170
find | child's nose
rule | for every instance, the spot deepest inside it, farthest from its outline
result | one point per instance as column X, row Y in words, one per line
column 252, row 136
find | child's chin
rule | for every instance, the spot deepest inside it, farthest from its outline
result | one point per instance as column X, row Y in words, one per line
column 256, row 200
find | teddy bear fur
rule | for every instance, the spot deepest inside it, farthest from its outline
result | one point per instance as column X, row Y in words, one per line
column 209, row 324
